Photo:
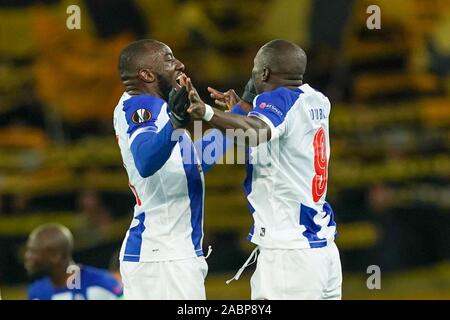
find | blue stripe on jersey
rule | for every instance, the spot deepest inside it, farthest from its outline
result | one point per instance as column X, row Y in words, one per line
column 249, row 177
column 250, row 234
column 237, row 109
column 307, row 219
column 151, row 150
column 195, row 191
column 275, row 104
column 134, row 242
column 327, row 208
column 248, row 186
column 149, row 103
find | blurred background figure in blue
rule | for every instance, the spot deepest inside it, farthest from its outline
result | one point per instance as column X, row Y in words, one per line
column 48, row 259
column 390, row 128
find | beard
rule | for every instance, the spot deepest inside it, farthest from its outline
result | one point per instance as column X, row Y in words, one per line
column 164, row 87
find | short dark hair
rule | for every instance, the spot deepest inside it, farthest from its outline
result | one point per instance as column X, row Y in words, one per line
column 130, row 55
column 284, row 56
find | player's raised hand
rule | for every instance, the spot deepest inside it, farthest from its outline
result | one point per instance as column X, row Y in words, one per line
column 178, row 104
column 226, row 99
column 248, row 96
column 197, row 106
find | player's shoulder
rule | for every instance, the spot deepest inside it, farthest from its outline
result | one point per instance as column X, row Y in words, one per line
column 100, row 278
column 142, row 101
column 142, row 110
column 308, row 90
column 118, row 110
column 281, row 97
column 40, row 289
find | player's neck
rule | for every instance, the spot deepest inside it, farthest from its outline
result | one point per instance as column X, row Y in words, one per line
column 139, row 90
column 287, row 81
column 61, row 274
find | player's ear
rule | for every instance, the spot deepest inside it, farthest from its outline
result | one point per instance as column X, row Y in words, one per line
column 265, row 74
column 146, row 75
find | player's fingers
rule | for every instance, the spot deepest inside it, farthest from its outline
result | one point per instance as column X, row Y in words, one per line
column 214, row 91
column 233, row 94
column 220, row 103
column 192, row 96
column 215, row 94
column 183, row 80
column 189, row 85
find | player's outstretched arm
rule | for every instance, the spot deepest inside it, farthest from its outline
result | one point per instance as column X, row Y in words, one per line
column 255, row 130
column 215, row 139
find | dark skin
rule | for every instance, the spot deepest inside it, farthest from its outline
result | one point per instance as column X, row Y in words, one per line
column 226, row 120
column 278, row 63
column 227, row 100
column 49, row 253
column 154, row 72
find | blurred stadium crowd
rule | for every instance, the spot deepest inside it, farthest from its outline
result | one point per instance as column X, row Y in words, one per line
column 390, row 120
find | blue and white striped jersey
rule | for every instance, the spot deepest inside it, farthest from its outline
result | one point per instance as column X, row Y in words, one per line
column 287, row 191
column 94, row 284
column 166, row 179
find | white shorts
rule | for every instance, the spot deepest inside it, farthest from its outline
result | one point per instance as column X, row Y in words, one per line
column 305, row 274
column 164, row 280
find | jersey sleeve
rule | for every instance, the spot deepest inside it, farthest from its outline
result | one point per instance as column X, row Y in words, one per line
column 151, row 141
column 271, row 107
column 237, row 109
column 141, row 115
column 39, row 290
column 32, row 293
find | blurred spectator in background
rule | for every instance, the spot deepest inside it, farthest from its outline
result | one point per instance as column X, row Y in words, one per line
column 391, row 165
column 439, row 47
column 21, row 204
column 27, row 111
column 94, row 221
column 124, row 13
column 48, row 257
